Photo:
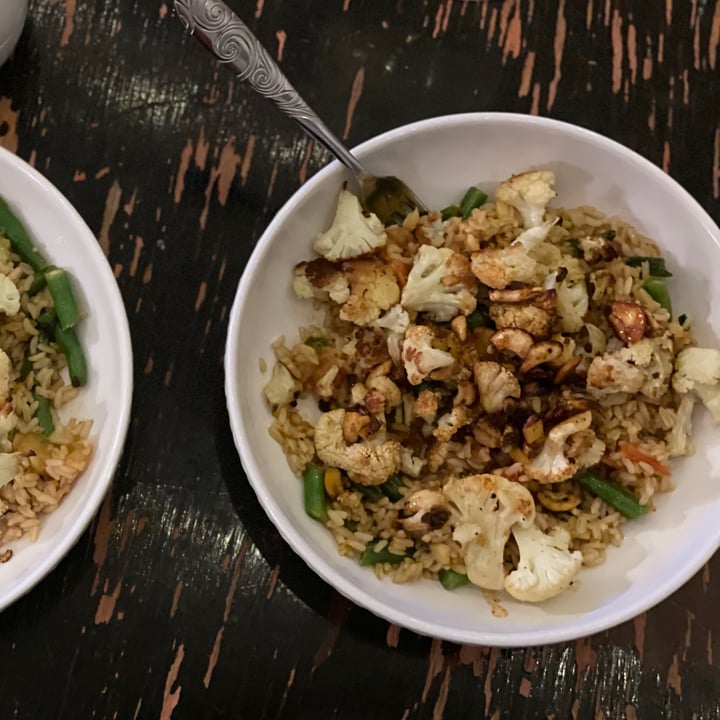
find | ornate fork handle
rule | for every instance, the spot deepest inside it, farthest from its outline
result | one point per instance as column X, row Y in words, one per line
column 232, row 42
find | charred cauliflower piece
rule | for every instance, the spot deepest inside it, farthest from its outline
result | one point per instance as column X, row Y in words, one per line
column 396, row 322
column 352, row 233
column 495, row 384
column 419, row 356
column 365, row 463
column 484, row 510
column 373, row 288
column 320, row 279
column 533, row 310
column 440, row 284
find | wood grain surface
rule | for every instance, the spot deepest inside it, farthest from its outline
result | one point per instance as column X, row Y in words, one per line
column 182, row 601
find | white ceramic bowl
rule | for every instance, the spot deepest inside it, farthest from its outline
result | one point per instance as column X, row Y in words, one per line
column 440, row 158
column 67, row 241
column 12, row 20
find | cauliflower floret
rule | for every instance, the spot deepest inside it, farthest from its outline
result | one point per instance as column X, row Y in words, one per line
column 484, row 510
column 440, row 284
column 679, row 442
column 450, row 423
column 495, row 384
column 546, row 566
column 698, row 369
column 644, row 367
column 529, row 193
column 373, row 288
column 533, row 310
column 411, row 464
column 9, row 296
column 572, row 304
column 320, row 279
column 396, row 322
column 352, row 233
column 282, row 386
column 551, row 464
column 389, row 391
column 365, row 463
column 419, row 356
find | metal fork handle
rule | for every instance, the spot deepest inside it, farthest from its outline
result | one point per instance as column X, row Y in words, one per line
column 232, row 42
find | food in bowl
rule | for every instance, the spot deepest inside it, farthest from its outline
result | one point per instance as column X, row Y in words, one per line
column 42, row 367
column 493, row 391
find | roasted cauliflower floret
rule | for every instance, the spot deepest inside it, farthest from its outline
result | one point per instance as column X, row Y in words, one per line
column 533, row 310
column 572, row 304
column 698, row 370
column 552, row 464
column 396, row 322
column 546, row 566
column 495, row 384
column 352, row 233
column 9, row 296
column 679, row 440
column 529, row 193
column 440, row 284
column 450, row 423
column 279, row 390
column 365, row 463
column 644, row 367
column 373, row 288
column 484, row 510
column 419, row 356
column 320, row 279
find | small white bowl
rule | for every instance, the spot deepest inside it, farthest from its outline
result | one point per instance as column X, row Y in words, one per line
column 67, row 241
column 12, row 20
column 440, row 158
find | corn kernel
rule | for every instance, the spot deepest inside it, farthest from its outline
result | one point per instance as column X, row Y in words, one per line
column 333, row 482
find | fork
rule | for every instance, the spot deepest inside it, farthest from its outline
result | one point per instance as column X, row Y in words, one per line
column 227, row 37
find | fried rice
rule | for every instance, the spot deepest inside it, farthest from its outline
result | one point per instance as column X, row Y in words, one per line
column 47, row 465
column 536, row 335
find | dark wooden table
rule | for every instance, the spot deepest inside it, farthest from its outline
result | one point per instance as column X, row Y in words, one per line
column 182, row 600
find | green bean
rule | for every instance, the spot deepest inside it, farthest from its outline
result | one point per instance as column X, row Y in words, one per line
column 68, row 342
column 608, row 234
column 314, row 493
column 656, row 265
column 370, row 492
column 58, row 283
column 39, row 281
column 391, row 487
column 450, row 579
column 43, row 413
column 657, row 289
column 12, row 227
column 47, row 317
column 25, row 368
column 370, row 557
column 450, row 211
column 479, row 318
column 473, row 198
column 613, row 494
column 317, row 343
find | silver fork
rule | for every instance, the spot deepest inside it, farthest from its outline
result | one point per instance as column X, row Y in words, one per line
column 227, row 37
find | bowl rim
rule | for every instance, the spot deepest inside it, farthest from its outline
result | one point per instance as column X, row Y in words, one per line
column 106, row 471
column 579, row 627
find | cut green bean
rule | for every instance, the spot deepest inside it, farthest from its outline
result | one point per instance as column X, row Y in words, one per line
column 657, row 289
column 68, row 342
column 371, row 492
column 317, row 343
column 450, row 211
column 314, row 493
column 43, row 413
column 39, row 281
column 25, row 368
column 370, row 557
column 450, row 579
column 656, row 265
column 608, row 234
column 613, row 494
column 22, row 244
column 479, row 318
column 392, row 488
column 47, row 317
column 58, row 283
column 473, row 198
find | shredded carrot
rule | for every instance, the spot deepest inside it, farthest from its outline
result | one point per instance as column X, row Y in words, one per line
column 634, row 453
